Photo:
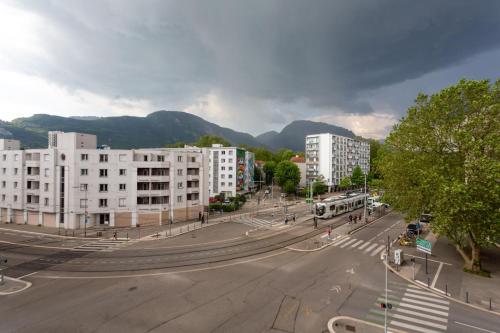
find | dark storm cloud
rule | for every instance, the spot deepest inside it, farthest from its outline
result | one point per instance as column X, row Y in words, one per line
column 324, row 52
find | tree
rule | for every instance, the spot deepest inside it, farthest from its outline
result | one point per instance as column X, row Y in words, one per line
column 269, row 168
column 261, row 154
column 345, row 183
column 287, row 171
column 374, row 153
column 209, row 140
column 443, row 157
column 289, row 186
column 283, row 155
column 319, row 186
column 357, row 178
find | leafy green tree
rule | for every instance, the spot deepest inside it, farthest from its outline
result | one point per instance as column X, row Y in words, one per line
column 374, row 153
column 283, row 155
column 345, row 183
column 269, row 168
column 289, row 186
column 261, row 154
column 209, row 140
column 443, row 157
column 287, row 171
column 357, row 178
column 179, row 144
column 319, row 186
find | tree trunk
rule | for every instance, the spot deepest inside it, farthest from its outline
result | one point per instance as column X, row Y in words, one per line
column 475, row 258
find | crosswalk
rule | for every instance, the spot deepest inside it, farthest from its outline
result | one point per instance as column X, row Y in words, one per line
column 366, row 247
column 255, row 222
column 413, row 310
column 103, row 245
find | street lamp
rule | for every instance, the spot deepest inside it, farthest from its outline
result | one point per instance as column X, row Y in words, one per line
column 366, row 219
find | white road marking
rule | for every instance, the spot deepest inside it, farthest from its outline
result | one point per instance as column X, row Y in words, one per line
column 419, row 321
column 416, row 307
column 356, row 244
column 423, row 315
column 442, row 307
column 347, row 243
column 22, row 277
column 363, row 246
column 377, row 250
column 370, row 247
column 477, row 328
column 341, row 241
column 427, row 298
column 437, row 275
column 412, row 327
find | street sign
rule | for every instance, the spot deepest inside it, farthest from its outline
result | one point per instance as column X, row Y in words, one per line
column 424, row 245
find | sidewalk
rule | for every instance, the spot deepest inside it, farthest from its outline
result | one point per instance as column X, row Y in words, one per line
column 445, row 273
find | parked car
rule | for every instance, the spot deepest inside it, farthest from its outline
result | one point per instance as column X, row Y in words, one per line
column 425, row 218
column 412, row 229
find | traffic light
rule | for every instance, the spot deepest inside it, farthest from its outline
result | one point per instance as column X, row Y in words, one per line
column 388, row 306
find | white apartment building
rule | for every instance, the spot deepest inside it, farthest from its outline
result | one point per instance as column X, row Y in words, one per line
column 72, row 181
column 335, row 157
column 230, row 170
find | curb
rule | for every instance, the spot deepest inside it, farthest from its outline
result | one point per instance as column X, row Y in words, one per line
column 334, row 319
column 438, row 293
column 27, row 285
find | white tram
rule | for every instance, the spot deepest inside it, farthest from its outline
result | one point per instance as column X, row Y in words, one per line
column 341, row 204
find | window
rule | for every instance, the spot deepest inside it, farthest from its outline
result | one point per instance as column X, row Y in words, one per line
column 122, row 202
column 145, row 158
column 230, row 160
column 179, row 158
column 16, row 157
column 83, row 203
column 46, row 157
column 223, row 160
column 179, row 185
column 230, row 184
column 4, row 157
column 223, row 152
column 3, row 197
column 84, row 187
column 84, row 172
column 84, row 157
column 230, row 152
column 222, row 184
column 46, row 172
column 230, row 176
column 15, row 198
column 4, row 170
column 46, row 187
column 160, row 158
column 193, row 159
column 230, row 168
column 123, row 187
column 223, row 168
column 179, row 198
column 15, row 184
column 179, row 172
column 222, row 176
column 123, row 172
column 3, row 183
column 103, row 172
column 122, row 157
column 103, row 202
column 15, row 171
column 103, row 187
column 103, row 157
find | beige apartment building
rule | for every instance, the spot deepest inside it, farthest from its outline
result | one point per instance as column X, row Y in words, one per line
column 73, row 182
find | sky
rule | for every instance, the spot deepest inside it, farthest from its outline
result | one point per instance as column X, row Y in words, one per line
column 253, row 66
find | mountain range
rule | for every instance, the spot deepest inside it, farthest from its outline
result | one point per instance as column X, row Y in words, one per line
column 156, row 130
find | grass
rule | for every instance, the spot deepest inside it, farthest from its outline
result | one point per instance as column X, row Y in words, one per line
column 482, row 272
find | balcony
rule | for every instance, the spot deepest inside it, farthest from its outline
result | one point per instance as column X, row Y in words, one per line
column 193, row 190
column 193, row 177
column 194, row 165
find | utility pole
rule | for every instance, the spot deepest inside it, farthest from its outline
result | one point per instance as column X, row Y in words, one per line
column 386, row 305
column 364, row 213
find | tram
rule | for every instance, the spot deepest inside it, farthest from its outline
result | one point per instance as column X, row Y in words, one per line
column 338, row 205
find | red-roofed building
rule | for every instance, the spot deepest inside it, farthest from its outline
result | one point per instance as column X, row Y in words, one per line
column 301, row 163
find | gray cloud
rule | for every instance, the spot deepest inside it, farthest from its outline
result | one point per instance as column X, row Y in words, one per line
column 328, row 53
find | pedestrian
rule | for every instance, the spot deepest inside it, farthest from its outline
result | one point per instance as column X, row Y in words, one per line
column 202, row 219
column 329, row 233
column 114, row 235
column 199, row 216
column 360, row 217
column 350, row 217
column 315, row 222
column 355, row 219
column 293, row 218
column 286, row 220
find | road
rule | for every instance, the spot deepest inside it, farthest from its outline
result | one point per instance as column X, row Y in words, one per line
column 259, row 286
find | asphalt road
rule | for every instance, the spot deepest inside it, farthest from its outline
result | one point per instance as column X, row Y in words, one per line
column 276, row 290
